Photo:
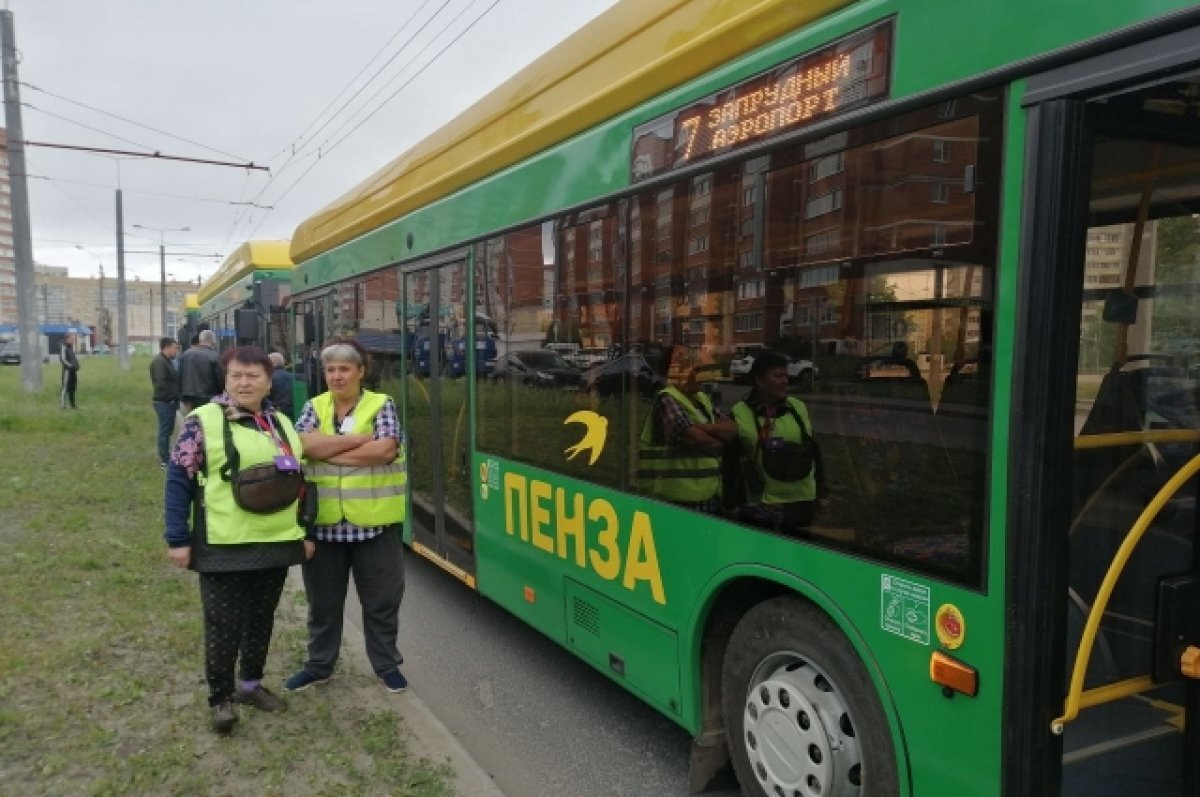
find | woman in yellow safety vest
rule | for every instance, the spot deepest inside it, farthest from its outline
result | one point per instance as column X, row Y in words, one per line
column 355, row 455
column 681, row 445
column 242, row 556
column 780, row 455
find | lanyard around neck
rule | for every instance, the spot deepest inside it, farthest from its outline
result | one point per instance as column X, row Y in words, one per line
column 266, row 423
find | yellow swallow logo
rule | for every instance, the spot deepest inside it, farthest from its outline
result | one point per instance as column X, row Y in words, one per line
column 593, row 439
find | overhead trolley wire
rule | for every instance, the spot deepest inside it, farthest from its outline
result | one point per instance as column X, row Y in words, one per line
column 128, row 121
column 392, row 96
column 297, row 144
column 106, row 227
column 134, row 190
column 407, row 64
column 68, row 120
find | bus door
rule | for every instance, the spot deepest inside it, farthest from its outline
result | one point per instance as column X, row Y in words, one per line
column 311, row 318
column 437, row 416
column 1126, row 705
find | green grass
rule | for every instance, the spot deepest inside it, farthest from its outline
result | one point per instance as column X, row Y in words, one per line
column 101, row 662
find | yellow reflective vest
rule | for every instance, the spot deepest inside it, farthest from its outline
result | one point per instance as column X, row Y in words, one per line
column 672, row 473
column 786, row 427
column 365, row 496
column 226, row 522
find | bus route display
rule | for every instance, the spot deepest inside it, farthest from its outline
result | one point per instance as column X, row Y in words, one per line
column 847, row 74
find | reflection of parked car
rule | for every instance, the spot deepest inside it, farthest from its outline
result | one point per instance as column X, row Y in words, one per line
column 888, row 367
column 802, row 371
column 739, row 366
column 586, row 358
column 627, row 372
column 10, row 353
column 536, row 368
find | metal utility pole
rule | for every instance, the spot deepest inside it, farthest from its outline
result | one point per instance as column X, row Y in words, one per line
column 162, row 289
column 162, row 265
column 122, row 321
column 31, row 354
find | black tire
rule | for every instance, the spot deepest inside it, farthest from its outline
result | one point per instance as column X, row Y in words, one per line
column 789, row 672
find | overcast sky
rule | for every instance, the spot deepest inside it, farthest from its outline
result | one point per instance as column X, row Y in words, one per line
column 262, row 81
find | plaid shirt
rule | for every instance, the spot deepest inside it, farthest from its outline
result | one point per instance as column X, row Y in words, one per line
column 387, row 424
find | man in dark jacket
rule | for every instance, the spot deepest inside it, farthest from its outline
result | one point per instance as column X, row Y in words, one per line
column 282, row 381
column 165, row 380
column 70, row 371
column 200, row 372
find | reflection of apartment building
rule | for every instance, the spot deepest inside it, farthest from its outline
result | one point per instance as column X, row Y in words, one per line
column 8, row 265
column 373, row 301
column 514, row 287
column 591, row 283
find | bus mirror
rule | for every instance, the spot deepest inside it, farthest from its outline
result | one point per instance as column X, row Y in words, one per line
column 245, row 322
column 1121, row 308
column 310, row 329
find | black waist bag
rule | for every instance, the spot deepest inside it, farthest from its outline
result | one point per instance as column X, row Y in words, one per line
column 261, row 489
column 784, row 460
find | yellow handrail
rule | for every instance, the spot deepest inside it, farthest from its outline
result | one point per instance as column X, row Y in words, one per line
column 1083, row 656
column 1132, row 438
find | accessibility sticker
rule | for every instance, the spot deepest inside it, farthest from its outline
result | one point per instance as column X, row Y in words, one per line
column 904, row 608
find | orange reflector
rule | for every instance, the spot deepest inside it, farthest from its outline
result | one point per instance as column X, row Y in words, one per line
column 1189, row 662
column 530, row 595
column 953, row 674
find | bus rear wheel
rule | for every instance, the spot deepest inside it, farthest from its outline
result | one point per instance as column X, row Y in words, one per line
column 802, row 718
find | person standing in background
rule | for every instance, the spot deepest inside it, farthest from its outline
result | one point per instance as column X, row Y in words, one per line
column 165, row 379
column 70, row 371
column 282, row 382
column 200, row 372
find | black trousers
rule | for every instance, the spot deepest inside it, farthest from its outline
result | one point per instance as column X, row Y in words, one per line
column 379, row 579
column 239, row 616
column 66, row 396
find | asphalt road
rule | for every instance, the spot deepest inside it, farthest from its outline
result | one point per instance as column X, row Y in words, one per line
column 537, row 719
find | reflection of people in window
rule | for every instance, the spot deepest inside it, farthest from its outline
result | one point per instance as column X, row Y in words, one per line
column 899, row 356
column 679, row 452
column 784, row 475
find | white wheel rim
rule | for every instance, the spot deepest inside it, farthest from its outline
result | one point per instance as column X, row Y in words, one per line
column 798, row 732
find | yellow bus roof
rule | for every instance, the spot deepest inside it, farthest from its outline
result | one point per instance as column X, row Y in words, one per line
column 191, row 302
column 627, row 55
column 247, row 258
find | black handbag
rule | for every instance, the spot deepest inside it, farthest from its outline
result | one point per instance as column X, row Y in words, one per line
column 785, row 460
column 261, row 489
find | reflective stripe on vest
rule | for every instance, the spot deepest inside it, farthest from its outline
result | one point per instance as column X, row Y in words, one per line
column 785, row 426
column 227, row 523
column 668, row 471
column 363, row 495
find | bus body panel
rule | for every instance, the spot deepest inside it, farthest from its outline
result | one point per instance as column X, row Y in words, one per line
column 691, row 560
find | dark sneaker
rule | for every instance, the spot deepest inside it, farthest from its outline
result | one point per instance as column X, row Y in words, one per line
column 303, row 680
column 394, row 681
column 224, row 717
column 261, row 698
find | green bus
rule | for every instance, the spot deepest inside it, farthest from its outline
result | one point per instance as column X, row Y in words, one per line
column 189, row 320
column 245, row 300
column 974, row 227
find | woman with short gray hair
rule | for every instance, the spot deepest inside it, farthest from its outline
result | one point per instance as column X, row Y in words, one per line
column 355, row 451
